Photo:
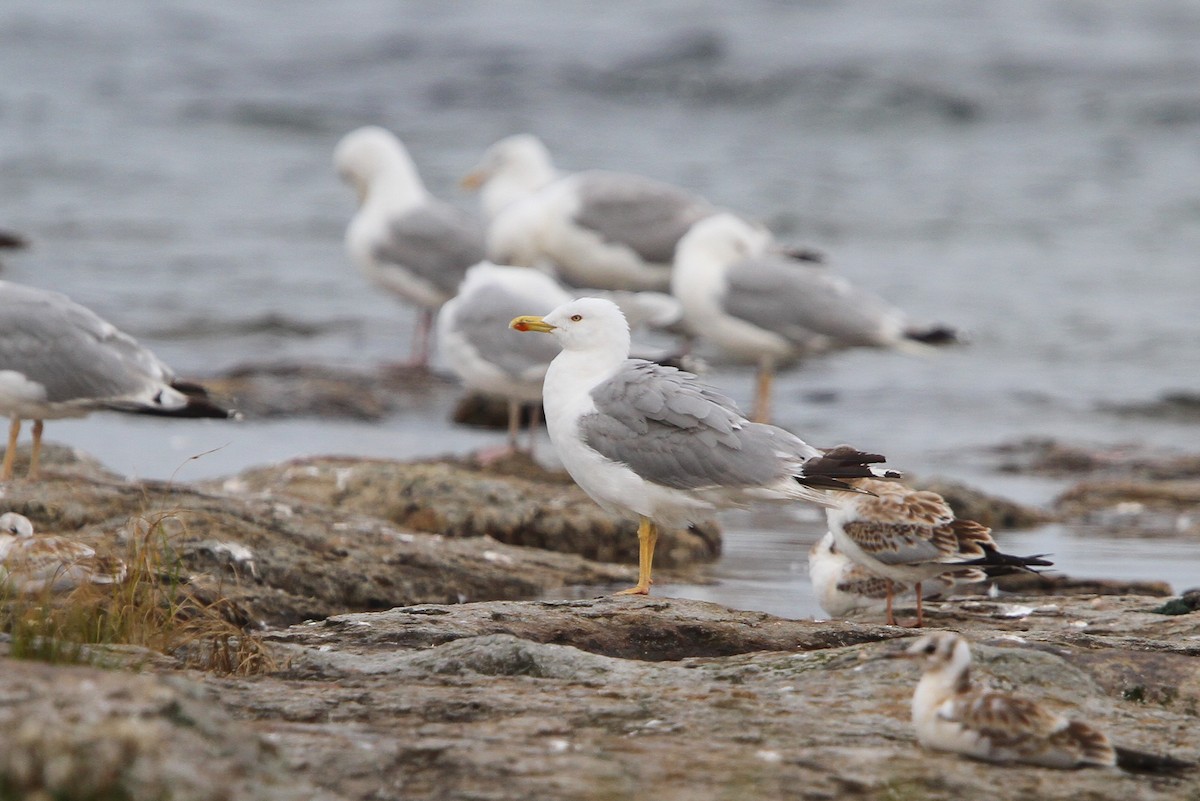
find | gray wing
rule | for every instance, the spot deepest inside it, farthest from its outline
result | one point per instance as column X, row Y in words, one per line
column 647, row 216
column 435, row 241
column 796, row 300
column 483, row 316
column 70, row 350
column 672, row 430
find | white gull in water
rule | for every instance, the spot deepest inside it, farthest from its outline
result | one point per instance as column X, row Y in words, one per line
column 908, row 535
column 59, row 359
column 599, row 229
column 404, row 239
column 951, row 713
column 759, row 305
column 31, row 564
column 843, row 587
column 651, row 440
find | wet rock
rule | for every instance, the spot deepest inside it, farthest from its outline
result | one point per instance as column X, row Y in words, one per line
column 1135, row 507
column 455, row 500
column 1058, row 584
column 296, row 390
column 1179, row 406
column 281, row 560
column 990, row 510
column 81, row 733
column 487, row 411
column 683, row 699
column 1183, row 605
column 1053, row 458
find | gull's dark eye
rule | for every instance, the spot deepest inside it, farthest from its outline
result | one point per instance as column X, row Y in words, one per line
column 576, row 318
column 929, row 649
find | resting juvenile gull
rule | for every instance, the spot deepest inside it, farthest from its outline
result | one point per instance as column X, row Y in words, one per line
column 58, row 359
column 476, row 345
column 843, row 586
column 30, row 564
column 404, row 239
column 908, row 535
column 757, row 305
column 652, row 440
column 950, row 712
column 597, row 229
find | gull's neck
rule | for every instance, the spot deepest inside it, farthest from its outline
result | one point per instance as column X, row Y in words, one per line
column 570, row 379
column 396, row 186
column 515, row 182
column 941, row 683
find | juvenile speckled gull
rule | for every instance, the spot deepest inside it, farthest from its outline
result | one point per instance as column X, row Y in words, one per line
column 474, row 340
column 404, row 239
column 908, row 535
column 843, row 587
column 952, row 713
column 652, row 440
column 598, row 229
column 754, row 304
column 59, row 359
column 30, row 564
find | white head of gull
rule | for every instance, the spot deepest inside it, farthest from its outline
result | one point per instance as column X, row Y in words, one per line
column 952, row 713
column 403, row 239
column 755, row 303
column 31, row 564
column 651, row 440
column 597, row 229
column 511, row 169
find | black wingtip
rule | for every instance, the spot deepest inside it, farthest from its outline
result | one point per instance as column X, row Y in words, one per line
column 934, row 335
column 994, row 559
column 11, row 240
column 1142, row 762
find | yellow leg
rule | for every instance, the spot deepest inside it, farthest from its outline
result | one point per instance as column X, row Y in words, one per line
column 762, row 394
column 35, row 451
column 647, row 539
column 14, row 431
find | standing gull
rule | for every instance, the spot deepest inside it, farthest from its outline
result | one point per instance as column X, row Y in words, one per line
column 475, row 344
column 31, row 564
column 404, row 239
column 59, row 359
column 597, row 229
column 952, row 713
column 643, row 438
column 756, row 304
column 908, row 535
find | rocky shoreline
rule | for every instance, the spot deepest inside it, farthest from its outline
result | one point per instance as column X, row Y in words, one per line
column 406, row 661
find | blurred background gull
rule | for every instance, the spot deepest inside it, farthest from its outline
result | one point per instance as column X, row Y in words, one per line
column 1023, row 171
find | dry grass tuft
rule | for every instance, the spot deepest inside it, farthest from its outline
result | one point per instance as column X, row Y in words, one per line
column 155, row 608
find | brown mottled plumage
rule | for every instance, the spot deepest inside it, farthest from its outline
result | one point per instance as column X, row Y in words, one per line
column 30, row 564
column 842, row 586
column 951, row 714
column 908, row 535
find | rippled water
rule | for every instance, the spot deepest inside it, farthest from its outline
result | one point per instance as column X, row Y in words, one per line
column 1024, row 170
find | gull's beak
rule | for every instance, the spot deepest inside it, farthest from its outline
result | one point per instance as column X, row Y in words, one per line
column 531, row 322
column 473, row 180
